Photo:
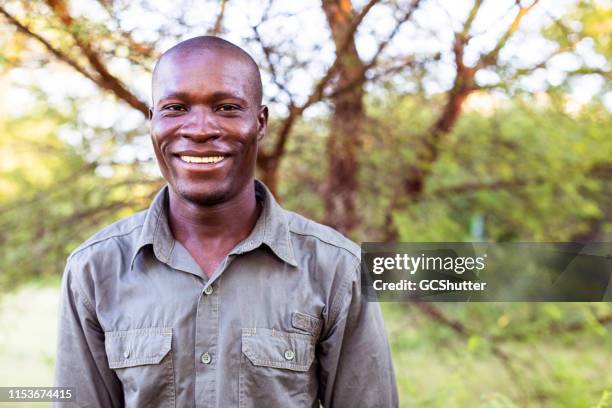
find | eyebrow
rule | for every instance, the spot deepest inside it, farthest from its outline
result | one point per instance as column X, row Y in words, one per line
column 214, row 96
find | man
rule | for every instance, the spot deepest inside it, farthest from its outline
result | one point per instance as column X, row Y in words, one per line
column 216, row 296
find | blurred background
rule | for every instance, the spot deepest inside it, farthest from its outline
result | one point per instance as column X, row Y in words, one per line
column 430, row 120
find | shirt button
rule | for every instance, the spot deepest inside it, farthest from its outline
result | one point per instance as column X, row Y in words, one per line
column 206, row 358
column 126, row 354
column 289, row 354
column 208, row 290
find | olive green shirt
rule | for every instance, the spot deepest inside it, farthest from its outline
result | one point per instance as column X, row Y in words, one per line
column 280, row 323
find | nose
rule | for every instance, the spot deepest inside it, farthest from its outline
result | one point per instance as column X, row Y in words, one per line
column 200, row 125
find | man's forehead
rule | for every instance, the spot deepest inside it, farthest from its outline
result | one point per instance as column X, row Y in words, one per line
column 182, row 72
column 176, row 66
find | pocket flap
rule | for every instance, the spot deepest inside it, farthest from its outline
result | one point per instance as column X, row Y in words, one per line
column 306, row 322
column 128, row 348
column 273, row 348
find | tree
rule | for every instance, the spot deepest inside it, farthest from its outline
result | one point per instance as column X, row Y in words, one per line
column 391, row 120
column 352, row 113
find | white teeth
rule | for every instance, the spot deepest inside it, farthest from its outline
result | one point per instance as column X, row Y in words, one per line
column 196, row 159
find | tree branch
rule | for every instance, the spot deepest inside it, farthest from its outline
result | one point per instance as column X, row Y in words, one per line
column 57, row 53
column 464, row 84
column 491, row 57
column 553, row 329
column 383, row 44
column 465, row 33
column 106, row 80
column 438, row 316
column 218, row 27
column 392, row 69
column 143, row 49
column 318, row 92
column 109, row 82
column 267, row 51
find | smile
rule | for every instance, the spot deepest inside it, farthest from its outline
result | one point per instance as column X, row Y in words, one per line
column 197, row 159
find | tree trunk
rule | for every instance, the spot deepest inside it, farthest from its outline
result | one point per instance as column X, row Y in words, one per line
column 268, row 167
column 347, row 121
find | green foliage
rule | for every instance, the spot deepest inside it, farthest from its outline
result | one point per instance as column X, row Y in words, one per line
column 548, row 364
column 303, row 168
column 590, row 20
column 53, row 195
column 527, row 166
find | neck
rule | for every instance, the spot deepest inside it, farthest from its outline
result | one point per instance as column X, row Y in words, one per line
column 219, row 226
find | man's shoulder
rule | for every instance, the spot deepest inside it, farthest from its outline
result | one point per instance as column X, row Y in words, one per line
column 121, row 231
column 333, row 240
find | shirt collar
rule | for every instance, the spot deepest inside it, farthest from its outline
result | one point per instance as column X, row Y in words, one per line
column 271, row 229
column 155, row 229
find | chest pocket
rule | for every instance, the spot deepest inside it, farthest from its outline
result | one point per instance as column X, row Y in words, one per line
column 142, row 359
column 276, row 368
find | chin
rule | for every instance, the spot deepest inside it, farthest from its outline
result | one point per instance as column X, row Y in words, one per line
column 204, row 196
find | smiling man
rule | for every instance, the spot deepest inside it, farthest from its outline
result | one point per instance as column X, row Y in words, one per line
column 216, row 296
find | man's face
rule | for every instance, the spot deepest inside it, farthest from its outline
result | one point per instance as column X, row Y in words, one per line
column 205, row 124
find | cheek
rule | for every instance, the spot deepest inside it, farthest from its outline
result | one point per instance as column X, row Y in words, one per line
column 160, row 134
column 246, row 134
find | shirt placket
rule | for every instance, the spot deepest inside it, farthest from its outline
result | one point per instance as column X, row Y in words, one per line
column 206, row 345
column 208, row 361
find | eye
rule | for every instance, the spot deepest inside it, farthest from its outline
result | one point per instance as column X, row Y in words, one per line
column 229, row 108
column 174, row 107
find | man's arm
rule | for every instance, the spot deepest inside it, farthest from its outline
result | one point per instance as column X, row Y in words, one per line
column 81, row 360
column 355, row 367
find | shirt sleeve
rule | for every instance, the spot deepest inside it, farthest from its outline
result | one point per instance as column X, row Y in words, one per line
column 81, row 360
column 355, row 366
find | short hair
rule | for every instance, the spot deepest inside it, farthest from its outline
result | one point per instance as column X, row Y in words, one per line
column 209, row 42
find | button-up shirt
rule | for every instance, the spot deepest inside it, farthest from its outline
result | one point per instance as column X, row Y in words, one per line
column 280, row 323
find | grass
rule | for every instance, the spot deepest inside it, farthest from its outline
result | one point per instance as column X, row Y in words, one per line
column 28, row 318
column 437, row 368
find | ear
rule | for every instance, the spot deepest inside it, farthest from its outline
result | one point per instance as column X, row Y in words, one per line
column 150, row 113
column 262, row 122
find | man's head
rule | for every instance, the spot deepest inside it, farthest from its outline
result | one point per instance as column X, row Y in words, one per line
column 207, row 118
